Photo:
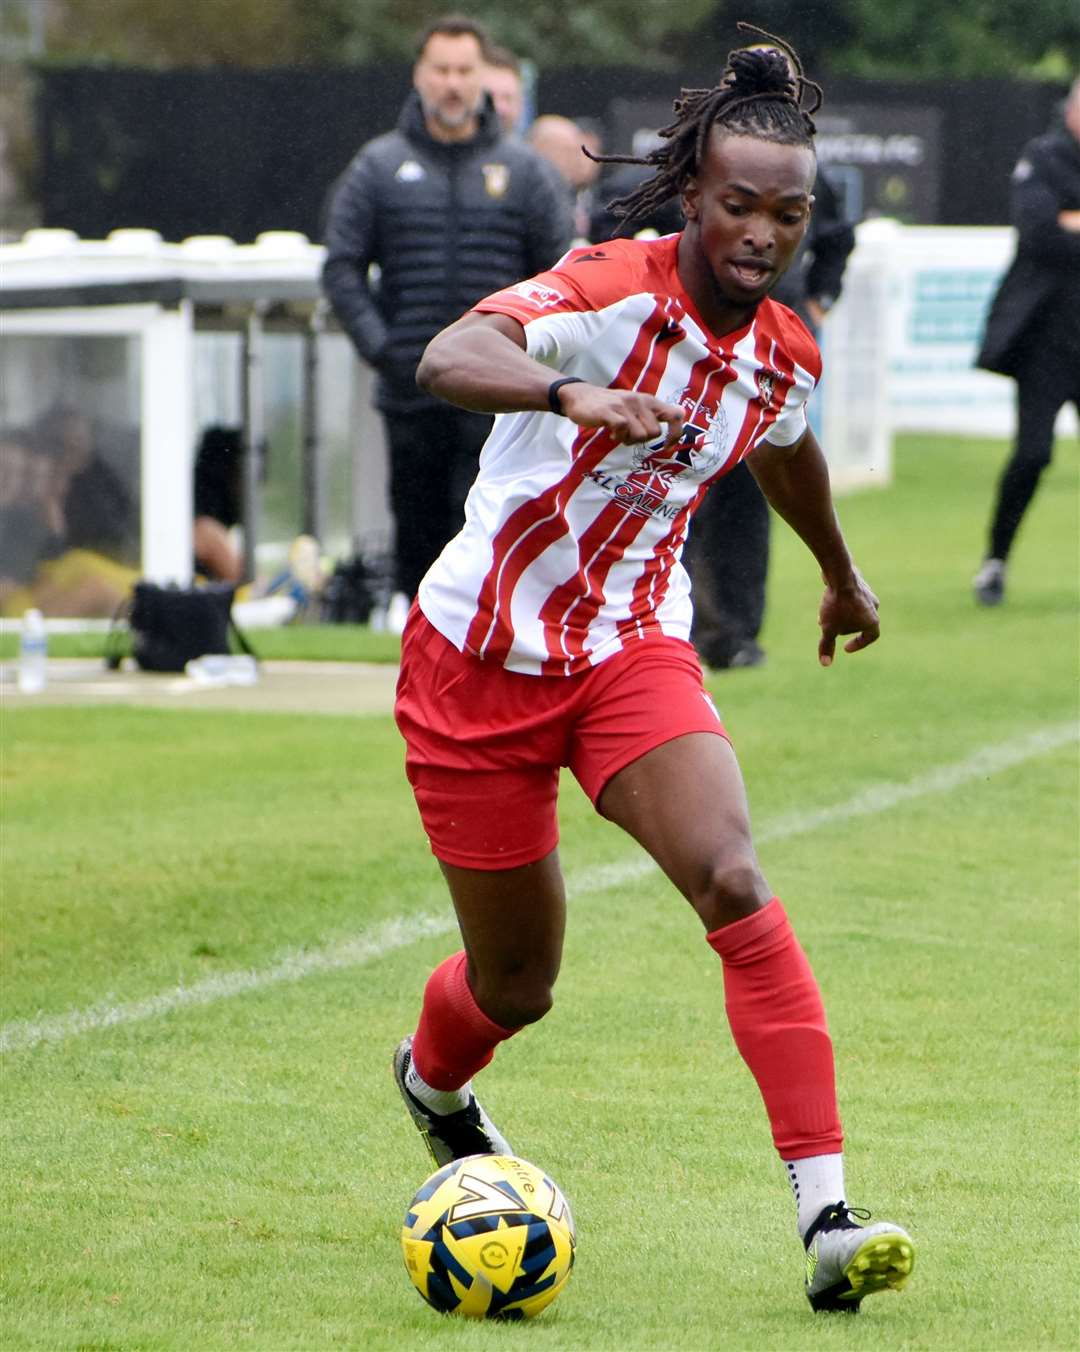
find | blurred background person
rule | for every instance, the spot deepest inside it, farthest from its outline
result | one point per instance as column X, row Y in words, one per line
column 99, row 512
column 727, row 554
column 728, row 549
column 505, row 85
column 564, row 143
column 39, row 566
column 449, row 207
column 30, row 518
column 607, row 222
column 1033, row 328
column 812, row 285
column 219, row 504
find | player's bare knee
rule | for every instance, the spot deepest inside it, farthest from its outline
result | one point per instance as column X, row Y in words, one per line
column 733, row 888
column 516, row 1001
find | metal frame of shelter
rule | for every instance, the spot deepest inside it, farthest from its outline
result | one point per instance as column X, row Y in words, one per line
column 132, row 284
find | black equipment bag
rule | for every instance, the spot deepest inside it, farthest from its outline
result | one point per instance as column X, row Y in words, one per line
column 349, row 595
column 170, row 626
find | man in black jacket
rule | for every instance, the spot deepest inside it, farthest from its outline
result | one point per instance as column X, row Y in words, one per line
column 1033, row 329
column 449, row 209
column 728, row 551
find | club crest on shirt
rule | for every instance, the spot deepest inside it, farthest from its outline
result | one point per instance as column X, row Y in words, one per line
column 766, row 384
column 496, row 179
column 701, row 449
column 698, row 454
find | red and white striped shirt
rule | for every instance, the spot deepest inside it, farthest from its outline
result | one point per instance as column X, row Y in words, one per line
column 571, row 545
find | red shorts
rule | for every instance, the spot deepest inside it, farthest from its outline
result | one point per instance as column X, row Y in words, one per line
column 484, row 745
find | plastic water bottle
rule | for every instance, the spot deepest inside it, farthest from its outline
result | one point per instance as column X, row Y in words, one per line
column 33, row 653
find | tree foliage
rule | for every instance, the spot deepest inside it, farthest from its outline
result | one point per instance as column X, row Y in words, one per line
column 557, row 32
column 875, row 38
column 203, row 33
column 963, row 39
column 903, row 39
column 313, row 32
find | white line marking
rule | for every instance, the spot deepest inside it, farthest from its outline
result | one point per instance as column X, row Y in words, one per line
column 989, row 760
column 22, row 1034
column 294, row 966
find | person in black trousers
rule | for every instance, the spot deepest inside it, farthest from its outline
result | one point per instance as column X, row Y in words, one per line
column 727, row 554
column 449, row 209
column 1033, row 329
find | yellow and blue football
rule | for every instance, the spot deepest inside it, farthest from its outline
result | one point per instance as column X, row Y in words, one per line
column 489, row 1237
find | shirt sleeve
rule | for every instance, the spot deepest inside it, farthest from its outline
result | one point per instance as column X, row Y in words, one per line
column 559, row 319
column 791, row 422
column 790, row 425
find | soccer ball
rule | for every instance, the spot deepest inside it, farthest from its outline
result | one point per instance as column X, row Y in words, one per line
column 489, row 1236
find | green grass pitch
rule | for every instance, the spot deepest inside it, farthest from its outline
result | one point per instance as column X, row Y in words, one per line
column 228, row 1168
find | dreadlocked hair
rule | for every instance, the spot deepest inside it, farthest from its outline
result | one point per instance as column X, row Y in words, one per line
column 761, row 93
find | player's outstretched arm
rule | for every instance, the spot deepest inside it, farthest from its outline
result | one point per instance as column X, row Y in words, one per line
column 480, row 363
column 795, row 479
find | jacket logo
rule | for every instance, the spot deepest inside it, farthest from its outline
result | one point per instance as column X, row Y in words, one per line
column 410, row 172
column 496, row 179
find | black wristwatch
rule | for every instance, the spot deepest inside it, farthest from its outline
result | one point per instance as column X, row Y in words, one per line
column 554, row 402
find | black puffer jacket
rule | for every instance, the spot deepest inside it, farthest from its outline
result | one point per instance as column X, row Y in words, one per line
column 1039, row 296
column 447, row 224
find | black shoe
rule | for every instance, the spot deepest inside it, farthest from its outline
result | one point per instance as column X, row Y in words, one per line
column 988, row 584
column 448, row 1136
column 748, row 654
column 720, row 657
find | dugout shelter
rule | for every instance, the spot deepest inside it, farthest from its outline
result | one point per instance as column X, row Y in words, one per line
column 147, row 343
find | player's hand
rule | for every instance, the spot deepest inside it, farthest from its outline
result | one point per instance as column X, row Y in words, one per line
column 628, row 416
column 851, row 609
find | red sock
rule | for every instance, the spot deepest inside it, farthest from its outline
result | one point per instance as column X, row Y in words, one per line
column 454, row 1038
column 778, row 1021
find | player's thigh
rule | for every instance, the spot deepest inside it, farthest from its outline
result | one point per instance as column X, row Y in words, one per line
column 685, row 802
